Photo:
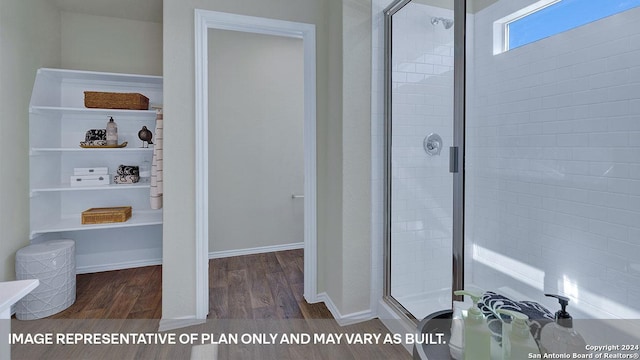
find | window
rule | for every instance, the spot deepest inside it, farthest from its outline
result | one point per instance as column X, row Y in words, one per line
column 547, row 18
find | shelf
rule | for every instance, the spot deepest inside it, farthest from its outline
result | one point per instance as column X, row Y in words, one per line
column 58, row 121
column 63, row 74
column 54, row 110
column 86, row 150
column 67, row 187
column 138, row 218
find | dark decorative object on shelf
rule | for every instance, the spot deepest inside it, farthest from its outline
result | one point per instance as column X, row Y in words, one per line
column 145, row 135
column 95, row 137
column 95, row 134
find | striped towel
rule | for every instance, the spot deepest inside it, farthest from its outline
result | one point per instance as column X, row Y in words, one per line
column 156, row 165
column 538, row 315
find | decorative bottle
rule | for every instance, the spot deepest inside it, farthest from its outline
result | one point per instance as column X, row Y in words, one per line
column 560, row 337
column 112, row 132
column 477, row 337
column 517, row 342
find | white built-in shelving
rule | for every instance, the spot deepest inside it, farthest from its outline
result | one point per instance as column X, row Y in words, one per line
column 90, row 150
column 57, row 110
column 139, row 218
column 68, row 187
column 58, row 122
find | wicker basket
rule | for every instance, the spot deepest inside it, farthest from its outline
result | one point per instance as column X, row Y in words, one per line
column 109, row 100
column 106, row 215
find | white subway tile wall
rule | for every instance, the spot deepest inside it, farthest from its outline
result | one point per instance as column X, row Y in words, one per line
column 553, row 162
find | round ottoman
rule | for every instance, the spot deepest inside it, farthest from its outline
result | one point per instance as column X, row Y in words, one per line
column 54, row 264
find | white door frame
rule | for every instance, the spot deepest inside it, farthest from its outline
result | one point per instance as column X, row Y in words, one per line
column 205, row 20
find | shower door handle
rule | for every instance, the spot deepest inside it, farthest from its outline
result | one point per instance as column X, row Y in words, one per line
column 453, row 159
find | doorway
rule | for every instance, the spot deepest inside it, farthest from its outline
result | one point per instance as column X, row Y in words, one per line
column 256, row 158
column 204, row 21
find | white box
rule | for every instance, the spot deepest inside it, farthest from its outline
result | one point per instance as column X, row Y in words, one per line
column 89, row 180
column 91, row 171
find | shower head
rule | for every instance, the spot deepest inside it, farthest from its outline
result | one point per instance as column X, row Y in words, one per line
column 447, row 23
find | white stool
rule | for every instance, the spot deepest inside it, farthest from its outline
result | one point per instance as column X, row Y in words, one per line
column 54, row 264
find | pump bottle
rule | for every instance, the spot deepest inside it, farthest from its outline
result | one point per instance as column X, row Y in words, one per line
column 559, row 337
column 517, row 342
column 477, row 337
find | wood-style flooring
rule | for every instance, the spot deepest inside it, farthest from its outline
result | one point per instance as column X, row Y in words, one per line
column 248, row 294
column 121, row 294
column 262, row 286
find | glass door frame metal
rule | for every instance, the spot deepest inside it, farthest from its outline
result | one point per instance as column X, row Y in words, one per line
column 456, row 152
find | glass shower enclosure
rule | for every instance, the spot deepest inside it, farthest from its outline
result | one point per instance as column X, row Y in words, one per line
column 423, row 150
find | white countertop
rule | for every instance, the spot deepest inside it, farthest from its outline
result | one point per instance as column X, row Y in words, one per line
column 12, row 291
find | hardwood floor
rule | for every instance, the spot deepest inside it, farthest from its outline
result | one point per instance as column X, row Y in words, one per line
column 121, row 294
column 253, row 294
column 261, row 286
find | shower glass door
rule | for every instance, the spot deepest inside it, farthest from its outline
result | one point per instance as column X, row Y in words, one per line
column 419, row 50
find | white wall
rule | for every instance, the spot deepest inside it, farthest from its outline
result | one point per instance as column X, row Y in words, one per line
column 356, row 158
column 255, row 150
column 101, row 43
column 553, row 164
column 329, row 216
column 29, row 39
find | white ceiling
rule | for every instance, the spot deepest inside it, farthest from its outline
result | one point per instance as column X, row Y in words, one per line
column 151, row 10
column 144, row 10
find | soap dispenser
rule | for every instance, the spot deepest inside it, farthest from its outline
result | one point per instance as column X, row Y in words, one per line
column 477, row 337
column 517, row 342
column 559, row 337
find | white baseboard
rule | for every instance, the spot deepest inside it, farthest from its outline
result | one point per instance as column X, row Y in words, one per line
column 117, row 266
column 180, row 322
column 256, row 250
column 348, row 319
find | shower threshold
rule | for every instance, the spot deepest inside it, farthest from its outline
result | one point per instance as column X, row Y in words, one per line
column 426, row 303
